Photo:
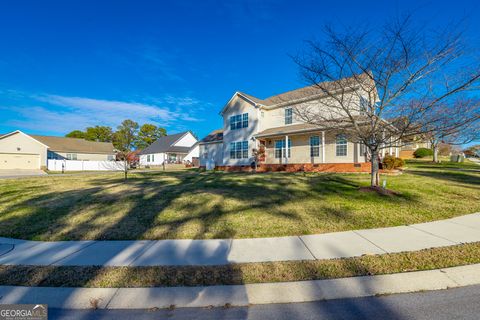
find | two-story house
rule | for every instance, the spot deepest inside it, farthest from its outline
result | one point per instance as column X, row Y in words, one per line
column 287, row 142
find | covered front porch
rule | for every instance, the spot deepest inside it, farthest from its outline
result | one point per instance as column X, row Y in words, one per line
column 307, row 144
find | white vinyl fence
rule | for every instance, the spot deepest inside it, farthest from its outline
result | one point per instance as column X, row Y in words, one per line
column 84, row 165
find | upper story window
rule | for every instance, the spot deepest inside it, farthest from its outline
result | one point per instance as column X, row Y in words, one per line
column 239, row 150
column 239, row 121
column 71, row 156
column 288, row 116
column 314, row 146
column 341, row 145
column 363, row 104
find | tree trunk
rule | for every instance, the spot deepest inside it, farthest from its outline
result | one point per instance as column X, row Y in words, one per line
column 375, row 173
column 435, row 152
column 125, row 163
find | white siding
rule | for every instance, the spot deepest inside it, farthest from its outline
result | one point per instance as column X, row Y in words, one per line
column 213, row 152
column 187, row 140
column 239, row 106
column 194, row 153
column 158, row 159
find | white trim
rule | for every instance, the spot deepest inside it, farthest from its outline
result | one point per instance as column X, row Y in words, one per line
column 18, row 131
column 323, row 146
column 236, row 94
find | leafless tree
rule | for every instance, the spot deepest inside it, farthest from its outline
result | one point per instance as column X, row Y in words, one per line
column 400, row 71
column 462, row 127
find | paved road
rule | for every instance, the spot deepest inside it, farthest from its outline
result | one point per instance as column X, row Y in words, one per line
column 461, row 303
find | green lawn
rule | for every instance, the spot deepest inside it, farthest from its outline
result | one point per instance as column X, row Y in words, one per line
column 189, row 204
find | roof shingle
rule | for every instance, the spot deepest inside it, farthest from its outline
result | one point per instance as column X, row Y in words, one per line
column 63, row 144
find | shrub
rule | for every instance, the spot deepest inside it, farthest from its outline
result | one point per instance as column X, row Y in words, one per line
column 390, row 162
column 422, row 153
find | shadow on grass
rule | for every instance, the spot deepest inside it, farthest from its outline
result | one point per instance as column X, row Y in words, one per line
column 162, row 205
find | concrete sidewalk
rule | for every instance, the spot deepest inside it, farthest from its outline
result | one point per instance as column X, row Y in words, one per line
column 415, row 237
column 242, row 295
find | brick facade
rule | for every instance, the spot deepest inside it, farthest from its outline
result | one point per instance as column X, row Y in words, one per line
column 300, row 167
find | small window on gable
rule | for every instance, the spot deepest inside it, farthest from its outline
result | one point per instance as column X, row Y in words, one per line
column 288, row 116
column 363, row 104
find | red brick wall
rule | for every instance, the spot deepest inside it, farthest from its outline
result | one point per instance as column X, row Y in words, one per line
column 308, row 167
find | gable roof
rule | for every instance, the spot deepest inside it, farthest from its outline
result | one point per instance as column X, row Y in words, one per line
column 304, row 92
column 64, row 144
column 22, row 133
column 167, row 144
column 214, row 136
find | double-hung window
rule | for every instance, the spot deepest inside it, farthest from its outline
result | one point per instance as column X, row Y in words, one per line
column 363, row 104
column 148, row 158
column 280, row 148
column 341, row 145
column 71, row 156
column 239, row 150
column 314, row 146
column 239, row 121
column 288, row 116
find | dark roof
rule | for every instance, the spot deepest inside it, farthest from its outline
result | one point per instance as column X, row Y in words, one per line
column 308, row 91
column 214, row 136
column 165, row 144
column 63, row 144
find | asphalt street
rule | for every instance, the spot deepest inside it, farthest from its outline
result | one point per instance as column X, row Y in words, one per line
column 460, row 303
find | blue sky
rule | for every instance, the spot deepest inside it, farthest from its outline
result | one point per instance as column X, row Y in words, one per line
column 66, row 65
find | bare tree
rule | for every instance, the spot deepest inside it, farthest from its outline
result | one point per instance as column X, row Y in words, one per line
column 401, row 71
column 462, row 127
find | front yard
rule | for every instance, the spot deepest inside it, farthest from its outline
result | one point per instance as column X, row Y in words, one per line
column 188, row 204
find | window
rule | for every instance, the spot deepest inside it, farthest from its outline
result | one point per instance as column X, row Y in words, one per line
column 314, row 146
column 52, row 155
column 341, row 145
column 245, row 149
column 110, row 157
column 239, row 150
column 363, row 104
column 148, row 158
column 288, row 115
column 239, row 121
column 245, row 120
column 280, row 148
column 71, row 156
column 153, row 158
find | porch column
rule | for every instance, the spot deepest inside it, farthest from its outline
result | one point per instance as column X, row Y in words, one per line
column 286, row 150
column 391, row 149
column 323, row 146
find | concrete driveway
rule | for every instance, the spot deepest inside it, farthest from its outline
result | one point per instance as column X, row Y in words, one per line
column 19, row 173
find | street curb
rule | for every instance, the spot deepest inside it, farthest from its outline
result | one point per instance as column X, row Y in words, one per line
column 242, row 295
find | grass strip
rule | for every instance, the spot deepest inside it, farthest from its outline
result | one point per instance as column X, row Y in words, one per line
column 160, row 276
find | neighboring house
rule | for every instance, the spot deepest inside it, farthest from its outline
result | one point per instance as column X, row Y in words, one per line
column 175, row 148
column 410, row 145
column 289, row 143
column 19, row 150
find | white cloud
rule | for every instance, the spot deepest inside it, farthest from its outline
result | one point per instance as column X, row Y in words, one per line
column 68, row 113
